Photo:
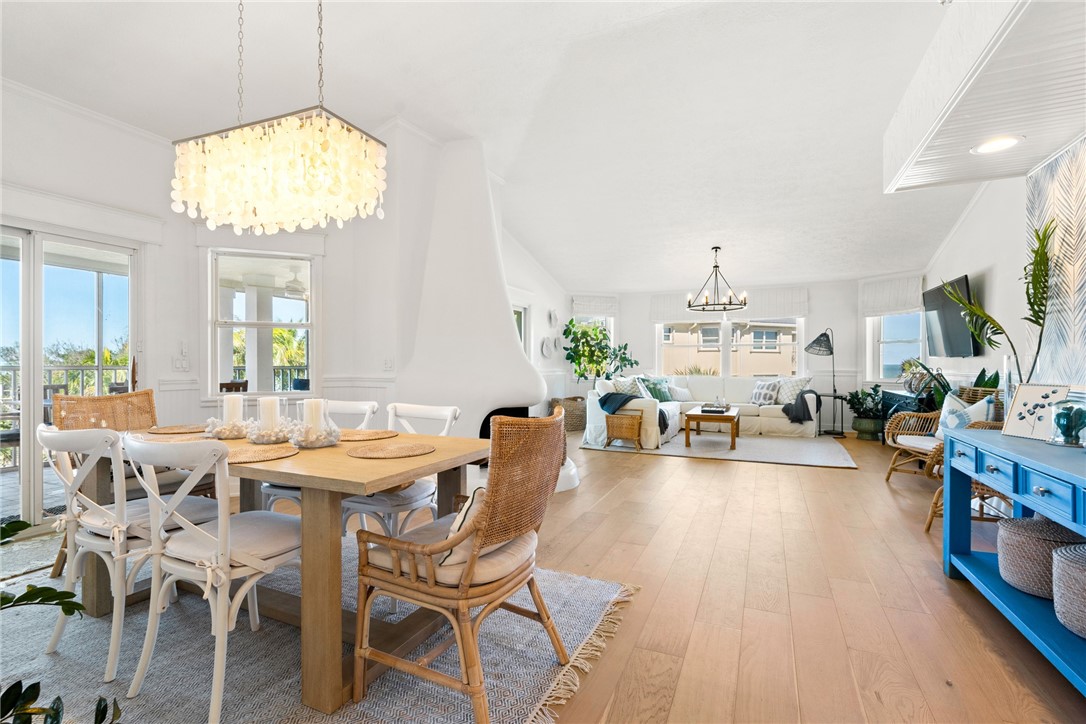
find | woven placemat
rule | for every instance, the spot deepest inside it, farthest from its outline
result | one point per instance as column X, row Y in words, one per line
column 391, row 450
column 176, row 429
column 360, row 435
column 261, row 453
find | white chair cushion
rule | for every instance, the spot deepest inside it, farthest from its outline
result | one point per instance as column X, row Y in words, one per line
column 500, row 562
column 259, row 533
column 419, row 491
column 920, row 443
column 197, row 510
column 462, row 551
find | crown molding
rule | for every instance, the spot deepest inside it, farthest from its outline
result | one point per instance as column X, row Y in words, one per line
column 51, row 212
column 11, row 86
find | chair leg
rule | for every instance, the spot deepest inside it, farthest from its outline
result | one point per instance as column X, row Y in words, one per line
column 69, row 586
column 548, row 622
column 362, row 641
column 58, row 562
column 474, row 665
column 117, row 579
column 893, row 464
column 936, row 509
column 222, row 630
column 153, row 614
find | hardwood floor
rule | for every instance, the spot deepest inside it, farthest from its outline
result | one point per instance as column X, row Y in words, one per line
column 774, row 593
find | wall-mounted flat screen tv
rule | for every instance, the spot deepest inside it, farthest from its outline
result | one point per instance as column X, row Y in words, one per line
column 948, row 333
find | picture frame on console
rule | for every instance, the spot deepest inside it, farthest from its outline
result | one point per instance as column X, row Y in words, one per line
column 1028, row 415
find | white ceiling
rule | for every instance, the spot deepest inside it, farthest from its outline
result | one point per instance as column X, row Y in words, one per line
column 631, row 136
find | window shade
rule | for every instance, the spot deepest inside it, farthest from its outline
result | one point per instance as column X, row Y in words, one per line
column 672, row 308
column 775, row 303
column 890, row 296
column 595, row 305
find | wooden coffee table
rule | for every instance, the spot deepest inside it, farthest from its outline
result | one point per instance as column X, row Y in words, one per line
column 696, row 417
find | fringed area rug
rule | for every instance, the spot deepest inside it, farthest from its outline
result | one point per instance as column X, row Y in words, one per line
column 824, row 452
column 523, row 678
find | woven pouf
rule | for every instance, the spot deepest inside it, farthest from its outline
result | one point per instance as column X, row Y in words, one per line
column 1069, row 587
column 1025, row 547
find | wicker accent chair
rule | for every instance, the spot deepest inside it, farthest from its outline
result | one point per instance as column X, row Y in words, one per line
column 525, row 459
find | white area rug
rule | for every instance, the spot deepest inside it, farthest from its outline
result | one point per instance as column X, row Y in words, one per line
column 263, row 668
column 821, row 452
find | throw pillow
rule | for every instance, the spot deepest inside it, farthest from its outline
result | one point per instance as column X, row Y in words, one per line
column 765, row 392
column 790, row 387
column 657, row 387
column 627, row 386
column 957, row 413
column 679, row 394
column 462, row 551
column 604, row 386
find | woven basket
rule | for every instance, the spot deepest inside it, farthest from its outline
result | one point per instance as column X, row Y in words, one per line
column 576, row 412
column 1069, row 587
column 1025, row 547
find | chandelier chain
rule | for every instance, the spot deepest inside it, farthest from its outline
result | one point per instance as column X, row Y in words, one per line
column 241, row 65
column 320, row 53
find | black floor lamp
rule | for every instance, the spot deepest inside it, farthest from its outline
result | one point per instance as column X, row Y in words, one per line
column 822, row 345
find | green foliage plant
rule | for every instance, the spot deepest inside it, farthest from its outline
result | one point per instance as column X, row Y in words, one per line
column 19, row 704
column 866, row 404
column 1036, row 274
column 695, row 371
column 591, row 354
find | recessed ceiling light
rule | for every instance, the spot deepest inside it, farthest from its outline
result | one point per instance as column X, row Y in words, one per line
column 996, row 144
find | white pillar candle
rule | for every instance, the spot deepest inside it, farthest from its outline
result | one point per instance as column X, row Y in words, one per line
column 269, row 413
column 232, row 407
column 313, row 413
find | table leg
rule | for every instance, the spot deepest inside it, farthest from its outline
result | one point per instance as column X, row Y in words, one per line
column 251, row 497
column 735, row 431
column 957, row 516
column 688, row 433
column 97, row 594
column 451, row 483
column 699, row 426
column 322, row 582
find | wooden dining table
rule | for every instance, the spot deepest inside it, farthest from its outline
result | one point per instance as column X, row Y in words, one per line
column 326, row 476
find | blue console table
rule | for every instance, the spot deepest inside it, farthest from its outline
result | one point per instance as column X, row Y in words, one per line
column 1039, row 478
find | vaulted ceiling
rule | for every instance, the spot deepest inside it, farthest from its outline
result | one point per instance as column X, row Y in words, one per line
column 631, row 136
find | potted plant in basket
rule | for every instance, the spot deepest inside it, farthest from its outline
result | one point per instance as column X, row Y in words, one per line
column 866, row 406
column 592, row 356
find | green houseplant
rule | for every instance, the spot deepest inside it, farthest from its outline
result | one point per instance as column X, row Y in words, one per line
column 987, row 330
column 591, row 354
column 866, row 406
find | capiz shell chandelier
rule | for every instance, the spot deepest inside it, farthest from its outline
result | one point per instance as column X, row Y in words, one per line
column 294, row 171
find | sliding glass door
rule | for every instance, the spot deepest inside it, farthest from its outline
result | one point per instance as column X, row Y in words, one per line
column 74, row 316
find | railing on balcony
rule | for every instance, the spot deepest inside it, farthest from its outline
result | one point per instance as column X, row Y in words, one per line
column 77, row 379
column 283, row 376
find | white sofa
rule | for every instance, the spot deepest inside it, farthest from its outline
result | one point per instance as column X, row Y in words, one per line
column 753, row 419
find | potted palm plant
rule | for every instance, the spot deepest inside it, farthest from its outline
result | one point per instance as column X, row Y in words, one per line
column 866, row 406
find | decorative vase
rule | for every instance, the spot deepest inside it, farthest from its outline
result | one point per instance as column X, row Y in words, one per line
column 1010, row 377
column 1068, row 423
column 867, row 428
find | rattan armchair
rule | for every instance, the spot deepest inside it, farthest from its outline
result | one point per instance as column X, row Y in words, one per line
column 981, row 492
column 525, row 459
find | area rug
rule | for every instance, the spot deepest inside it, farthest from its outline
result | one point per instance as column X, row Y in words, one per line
column 29, row 555
column 524, row 681
column 821, row 452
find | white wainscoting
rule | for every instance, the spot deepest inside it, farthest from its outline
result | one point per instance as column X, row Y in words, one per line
column 381, row 390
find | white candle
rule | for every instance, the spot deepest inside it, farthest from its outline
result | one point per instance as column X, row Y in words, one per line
column 269, row 413
column 313, row 413
column 232, row 407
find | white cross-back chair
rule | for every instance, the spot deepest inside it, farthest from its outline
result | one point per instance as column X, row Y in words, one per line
column 113, row 532
column 242, row 547
column 385, row 507
column 365, row 409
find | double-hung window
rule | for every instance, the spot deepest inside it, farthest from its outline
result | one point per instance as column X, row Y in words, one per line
column 764, row 340
column 764, row 347
column 263, row 327
column 892, row 339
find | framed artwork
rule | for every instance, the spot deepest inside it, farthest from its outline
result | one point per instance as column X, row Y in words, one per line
column 1030, row 413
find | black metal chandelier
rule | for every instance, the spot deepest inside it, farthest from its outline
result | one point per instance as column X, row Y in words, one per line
column 716, row 293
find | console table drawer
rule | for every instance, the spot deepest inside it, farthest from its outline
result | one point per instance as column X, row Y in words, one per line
column 995, row 471
column 962, row 455
column 1047, row 495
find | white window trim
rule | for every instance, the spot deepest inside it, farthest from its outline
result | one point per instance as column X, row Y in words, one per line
column 208, row 376
column 874, row 343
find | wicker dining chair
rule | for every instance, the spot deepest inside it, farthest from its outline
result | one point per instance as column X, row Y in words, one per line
column 498, row 548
